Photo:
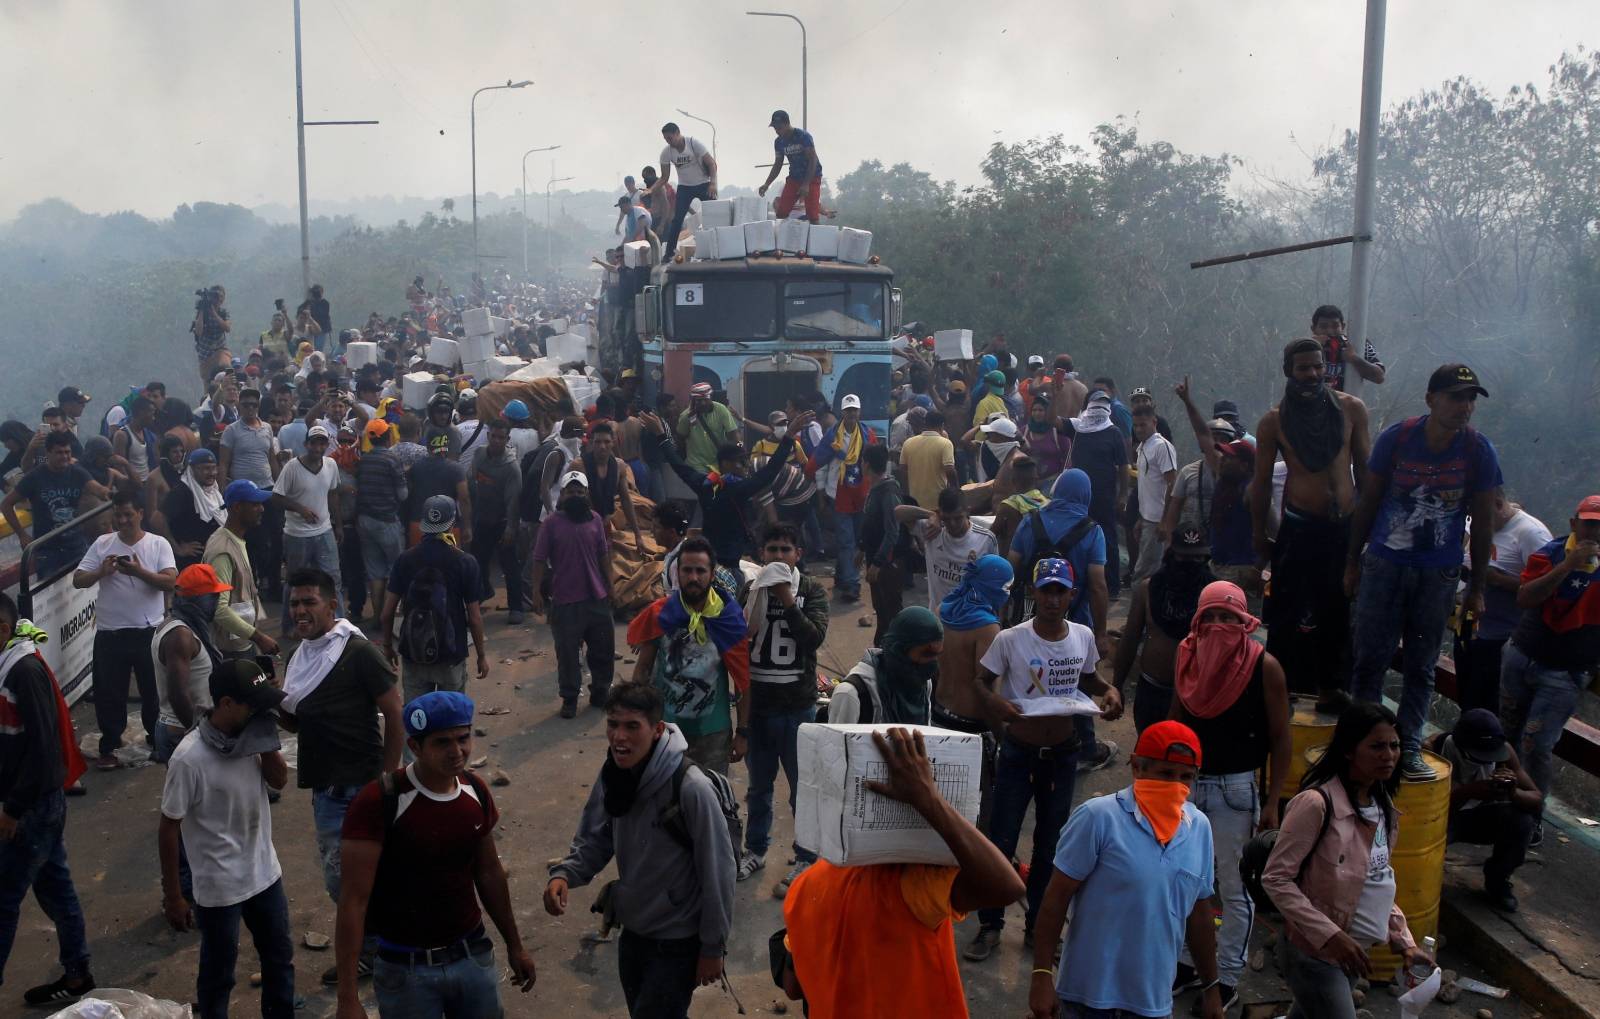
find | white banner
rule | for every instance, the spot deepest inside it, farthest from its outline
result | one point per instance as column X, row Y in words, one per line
column 66, row 613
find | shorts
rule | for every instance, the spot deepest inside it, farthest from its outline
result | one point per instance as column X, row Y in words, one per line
column 382, row 541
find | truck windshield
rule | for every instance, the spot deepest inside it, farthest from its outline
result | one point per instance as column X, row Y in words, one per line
column 723, row 309
column 833, row 308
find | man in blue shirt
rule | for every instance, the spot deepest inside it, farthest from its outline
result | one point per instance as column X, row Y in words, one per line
column 805, row 172
column 1427, row 475
column 1144, row 858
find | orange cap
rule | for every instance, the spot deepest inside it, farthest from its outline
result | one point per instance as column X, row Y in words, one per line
column 200, row 579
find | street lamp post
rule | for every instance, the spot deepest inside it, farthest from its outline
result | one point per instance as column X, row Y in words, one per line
column 525, row 155
column 802, row 24
column 473, row 110
column 549, row 258
column 708, row 123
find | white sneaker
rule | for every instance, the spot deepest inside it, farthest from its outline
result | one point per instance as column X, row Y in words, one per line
column 749, row 863
column 781, row 889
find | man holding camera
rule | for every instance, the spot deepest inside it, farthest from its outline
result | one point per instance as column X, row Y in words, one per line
column 210, row 329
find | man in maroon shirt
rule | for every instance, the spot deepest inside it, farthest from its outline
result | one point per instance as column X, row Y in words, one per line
column 418, row 857
column 573, row 551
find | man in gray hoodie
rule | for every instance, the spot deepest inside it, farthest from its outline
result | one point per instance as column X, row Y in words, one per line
column 674, row 895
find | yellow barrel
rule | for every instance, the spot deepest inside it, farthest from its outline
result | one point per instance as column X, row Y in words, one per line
column 1309, row 732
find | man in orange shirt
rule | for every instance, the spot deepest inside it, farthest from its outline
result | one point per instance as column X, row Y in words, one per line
column 847, row 926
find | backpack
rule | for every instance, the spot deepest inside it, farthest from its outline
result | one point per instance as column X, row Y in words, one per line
column 862, row 694
column 426, row 636
column 532, row 497
column 672, row 820
column 391, row 797
column 1044, row 548
column 1253, row 857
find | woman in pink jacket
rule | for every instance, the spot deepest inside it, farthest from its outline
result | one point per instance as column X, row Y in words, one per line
column 1329, row 873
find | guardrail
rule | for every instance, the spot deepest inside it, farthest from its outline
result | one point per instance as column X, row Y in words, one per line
column 1579, row 744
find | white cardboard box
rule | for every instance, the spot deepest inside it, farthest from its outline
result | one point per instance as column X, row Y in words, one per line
column 567, row 348
column 847, row 824
column 749, row 209
column 760, row 237
column 558, row 324
column 415, row 389
column 822, row 241
column 538, row 368
column 475, row 348
column 361, row 353
column 583, row 390
column 498, row 367
column 477, row 371
column 854, row 245
column 953, row 344
column 705, row 244
column 502, row 326
column 444, row 352
column 636, row 254
column 477, row 321
column 793, row 234
column 716, row 212
column 730, row 242
column 578, row 329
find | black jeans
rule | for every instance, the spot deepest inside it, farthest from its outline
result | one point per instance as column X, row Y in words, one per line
column 487, row 546
column 1478, row 673
column 353, row 573
column 888, row 598
column 264, row 543
column 115, row 652
column 573, row 626
column 686, row 194
column 1500, row 825
column 1108, row 526
column 658, row 974
column 266, row 914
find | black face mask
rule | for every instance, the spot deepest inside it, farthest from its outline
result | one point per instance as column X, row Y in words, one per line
column 1301, row 388
column 576, row 508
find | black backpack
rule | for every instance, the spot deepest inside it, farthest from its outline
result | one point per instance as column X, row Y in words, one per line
column 391, row 797
column 672, row 819
column 862, row 694
column 532, row 497
column 1253, row 857
column 426, row 636
column 1044, row 548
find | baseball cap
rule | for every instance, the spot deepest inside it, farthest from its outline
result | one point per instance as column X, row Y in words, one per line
column 1140, row 391
column 957, row 386
column 778, row 117
column 467, row 394
column 438, row 513
column 377, row 427
column 1035, row 361
column 1455, row 378
column 199, row 579
column 629, row 373
column 1478, row 734
column 1589, row 508
column 241, row 679
column 1001, row 426
column 1169, row 741
column 1053, row 571
column 244, row 490
column 1190, row 543
column 1221, row 425
column 516, row 410
column 1239, row 448
column 72, row 394
column 995, row 378
column 574, row 476
column 778, row 417
column 851, row 401
column 200, row 456
column 1100, row 396
column 1224, row 408
column 317, row 432
column 437, row 710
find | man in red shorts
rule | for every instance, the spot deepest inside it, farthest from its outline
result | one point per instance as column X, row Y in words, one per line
column 805, row 172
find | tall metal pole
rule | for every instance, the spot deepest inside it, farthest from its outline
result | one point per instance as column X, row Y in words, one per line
column 477, row 263
column 1366, row 185
column 300, row 137
column 804, row 103
column 708, row 123
column 525, row 155
column 549, row 255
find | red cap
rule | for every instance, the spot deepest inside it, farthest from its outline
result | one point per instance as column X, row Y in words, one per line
column 200, row 579
column 1169, row 741
column 1589, row 508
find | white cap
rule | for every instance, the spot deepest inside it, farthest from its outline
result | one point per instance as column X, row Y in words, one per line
column 318, row 432
column 851, row 401
column 1035, row 361
column 1002, row 426
column 571, row 476
column 467, row 394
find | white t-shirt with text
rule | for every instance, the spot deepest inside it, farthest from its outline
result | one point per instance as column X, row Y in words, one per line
column 1041, row 676
column 687, row 162
column 948, row 558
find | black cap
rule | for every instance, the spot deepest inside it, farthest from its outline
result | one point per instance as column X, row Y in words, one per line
column 1190, row 542
column 1224, row 408
column 1478, row 735
column 778, row 117
column 72, row 394
column 241, row 680
column 1455, row 378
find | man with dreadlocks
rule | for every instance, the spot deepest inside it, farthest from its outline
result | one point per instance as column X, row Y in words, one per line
column 1321, row 435
column 1158, row 618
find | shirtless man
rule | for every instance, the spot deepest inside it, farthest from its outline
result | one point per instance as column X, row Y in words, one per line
column 1322, row 436
column 1160, row 621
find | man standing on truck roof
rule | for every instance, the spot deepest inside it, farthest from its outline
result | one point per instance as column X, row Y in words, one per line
column 697, row 176
column 805, row 172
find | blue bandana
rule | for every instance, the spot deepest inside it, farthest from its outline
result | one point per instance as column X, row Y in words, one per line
column 977, row 600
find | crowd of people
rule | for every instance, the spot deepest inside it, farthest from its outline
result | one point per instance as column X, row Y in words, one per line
column 1029, row 496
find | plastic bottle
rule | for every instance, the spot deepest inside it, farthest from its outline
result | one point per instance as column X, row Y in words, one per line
column 1421, row 971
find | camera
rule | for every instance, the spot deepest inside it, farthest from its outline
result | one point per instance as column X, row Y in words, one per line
column 207, row 298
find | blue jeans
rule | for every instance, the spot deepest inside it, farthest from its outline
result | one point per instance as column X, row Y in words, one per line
column 774, row 740
column 1535, row 703
column 657, row 975
column 1073, row 1010
column 846, row 526
column 465, row 989
column 1321, row 989
column 328, row 807
column 36, row 857
column 1231, row 804
column 319, row 550
column 1045, row 777
column 266, row 914
column 1397, row 601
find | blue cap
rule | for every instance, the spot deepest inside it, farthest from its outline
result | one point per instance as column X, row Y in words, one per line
column 1053, row 571
column 516, row 410
column 436, row 710
column 244, row 490
column 201, row 456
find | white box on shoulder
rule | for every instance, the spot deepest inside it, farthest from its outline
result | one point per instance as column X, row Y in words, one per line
column 953, row 344
column 567, row 348
column 730, row 242
column 538, row 368
column 847, row 824
column 854, row 245
column 498, row 367
column 793, row 234
column 716, row 212
column 823, row 242
column 749, row 209
column 558, row 324
column 760, row 237
column 636, row 254
column 475, row 348
column 415, row 389
column 359, row 354
column 705, row 244
column 444, row 352
column 477, row 321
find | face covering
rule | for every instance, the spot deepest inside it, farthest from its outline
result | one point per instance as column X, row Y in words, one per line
column 780, row 431
column 1161, row 803
column 572, row 446
column 576, row 508
column 1175, row 593
column 1313, row 422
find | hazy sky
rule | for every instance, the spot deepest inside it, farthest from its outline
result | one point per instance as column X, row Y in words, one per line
column 143, row 104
